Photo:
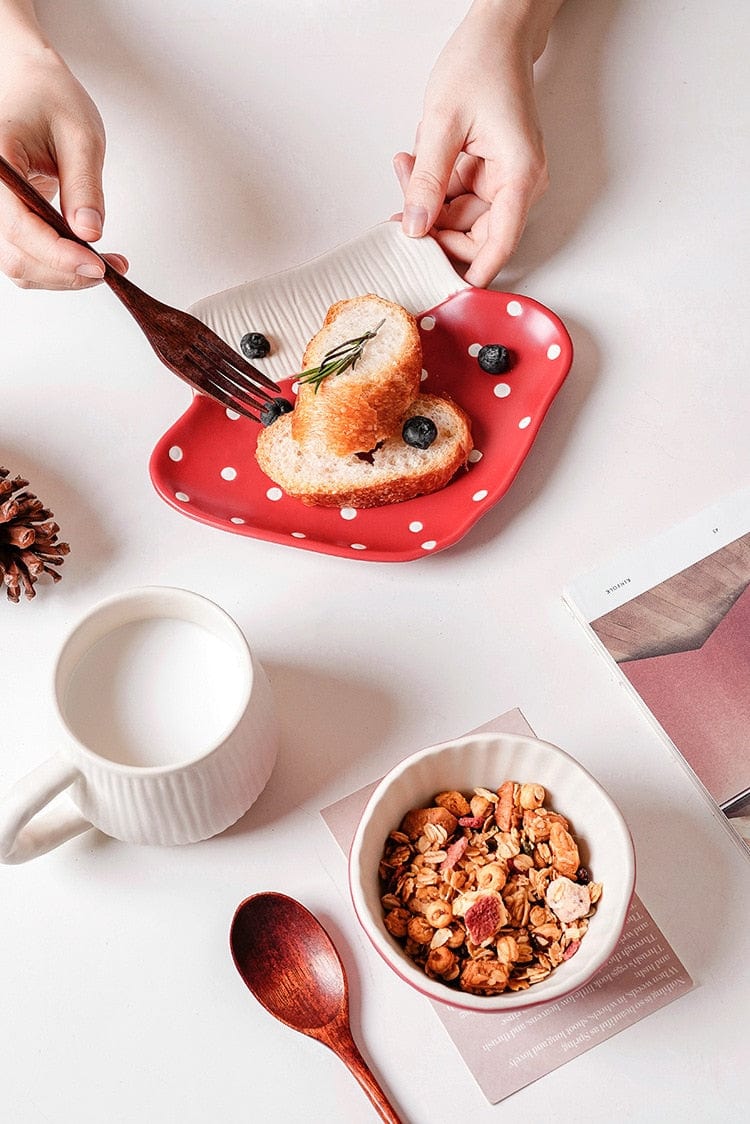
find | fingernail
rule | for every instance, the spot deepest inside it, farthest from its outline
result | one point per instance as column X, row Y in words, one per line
column 415, row 221
column 90, row 270
column 88, row 222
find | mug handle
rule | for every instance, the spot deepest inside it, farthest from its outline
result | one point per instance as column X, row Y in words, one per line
column 26, row 830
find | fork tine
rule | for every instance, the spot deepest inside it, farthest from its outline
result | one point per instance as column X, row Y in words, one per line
column 218, row 393
column 217, row 346
column 215, row 386
column 214, row 362
column 236, row 398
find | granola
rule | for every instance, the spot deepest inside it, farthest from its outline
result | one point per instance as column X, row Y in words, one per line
column 485, row 890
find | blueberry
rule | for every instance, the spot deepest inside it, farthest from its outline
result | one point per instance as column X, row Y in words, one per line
column 494, row 358
column 419, row 432
column 254, row 345
column 274, row 409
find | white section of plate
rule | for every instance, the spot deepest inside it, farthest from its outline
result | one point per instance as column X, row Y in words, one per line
column 289, row 307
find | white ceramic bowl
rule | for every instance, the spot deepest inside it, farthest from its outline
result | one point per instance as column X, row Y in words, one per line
column 487, row 760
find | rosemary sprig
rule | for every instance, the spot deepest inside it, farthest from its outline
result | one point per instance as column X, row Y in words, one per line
column 338, row 359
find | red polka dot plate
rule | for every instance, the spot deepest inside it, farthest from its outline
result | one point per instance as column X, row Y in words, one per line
column 205, row 465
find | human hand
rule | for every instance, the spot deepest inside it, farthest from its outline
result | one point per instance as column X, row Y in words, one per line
column 479, row 162
column 51, row 132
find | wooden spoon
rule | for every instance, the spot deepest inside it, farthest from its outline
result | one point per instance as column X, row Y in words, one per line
column 291, row 965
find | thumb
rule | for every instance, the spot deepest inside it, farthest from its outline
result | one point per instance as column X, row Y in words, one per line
column 425, row 192
column 80, row 157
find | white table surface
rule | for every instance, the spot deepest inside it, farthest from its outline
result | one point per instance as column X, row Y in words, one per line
column 245, row 138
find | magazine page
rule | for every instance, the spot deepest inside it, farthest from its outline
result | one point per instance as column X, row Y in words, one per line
column 674, row 616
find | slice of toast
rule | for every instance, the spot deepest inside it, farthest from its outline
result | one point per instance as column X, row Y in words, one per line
column 390, row 473
column 352, row 411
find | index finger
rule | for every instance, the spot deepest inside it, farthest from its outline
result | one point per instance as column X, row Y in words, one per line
column 33, row 239
column 505, row 221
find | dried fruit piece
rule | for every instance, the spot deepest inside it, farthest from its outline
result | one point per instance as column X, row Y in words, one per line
column 504, row 806
column 414, row 822
column 471, row 821
column 453, row 854
column 485, row 917
column 567, row 900
column 564, row 848
column 455, row 802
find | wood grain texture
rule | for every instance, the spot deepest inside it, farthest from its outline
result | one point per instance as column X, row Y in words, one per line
column 678, row 614
column 292, row 967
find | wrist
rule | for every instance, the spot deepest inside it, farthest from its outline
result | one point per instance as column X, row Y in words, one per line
column 19, row 28
column 524, row 23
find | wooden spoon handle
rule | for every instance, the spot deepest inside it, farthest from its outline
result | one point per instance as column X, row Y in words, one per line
column 342, row 1043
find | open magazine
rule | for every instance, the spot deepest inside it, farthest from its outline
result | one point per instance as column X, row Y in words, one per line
column 674, row 616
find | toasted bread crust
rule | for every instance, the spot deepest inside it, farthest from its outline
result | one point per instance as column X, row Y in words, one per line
column 350, row 482
column 349, row 413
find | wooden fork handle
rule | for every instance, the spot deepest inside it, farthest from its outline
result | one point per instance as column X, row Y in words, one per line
column 29, row 195
column 128, row 293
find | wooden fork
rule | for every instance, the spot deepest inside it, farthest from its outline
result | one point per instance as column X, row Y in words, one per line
column 183, row 343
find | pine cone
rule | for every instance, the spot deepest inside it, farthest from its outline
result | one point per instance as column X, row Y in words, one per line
column 28, row 539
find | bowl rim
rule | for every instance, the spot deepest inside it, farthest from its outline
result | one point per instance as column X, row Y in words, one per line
column 397, row 959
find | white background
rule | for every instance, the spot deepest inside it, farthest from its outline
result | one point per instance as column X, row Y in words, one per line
column 244, row 138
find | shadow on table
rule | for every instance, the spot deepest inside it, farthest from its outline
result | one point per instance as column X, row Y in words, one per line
column 685, row 900
column 550, row 445
column 570, row 94
column 108, row 46
column 112, row 54
column 342, row 939
column 327, row 722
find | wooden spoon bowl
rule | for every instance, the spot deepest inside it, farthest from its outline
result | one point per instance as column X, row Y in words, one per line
column 291, row 966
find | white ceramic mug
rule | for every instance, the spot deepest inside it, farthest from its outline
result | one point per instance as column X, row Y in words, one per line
column 170, row 727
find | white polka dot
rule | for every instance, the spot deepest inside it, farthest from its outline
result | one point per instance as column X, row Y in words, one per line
column 475, row 455
column 182, row 497
column 228, row 473
column 415, row 526
column 236, row 519
column 524, row 423
column 348, row 513
column 175, row 453
column 274, row 494
column 427, row 323
column 501, row 390
column 513, row 308
column 423, row 376
column 480, row 495
column 358, row 546
column 553, row 351
column 295, row 388
column 298, row 535
column 429, row 545
column 474, row 349
column 232, row 415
